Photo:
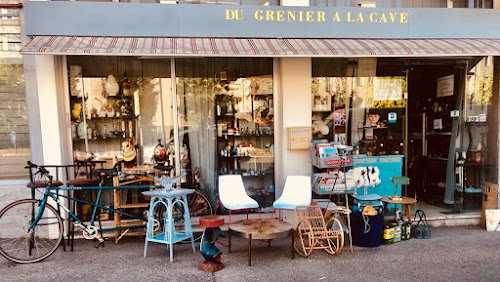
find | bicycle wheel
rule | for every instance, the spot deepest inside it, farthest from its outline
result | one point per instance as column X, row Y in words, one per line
column 198, row 206
column 18, row 245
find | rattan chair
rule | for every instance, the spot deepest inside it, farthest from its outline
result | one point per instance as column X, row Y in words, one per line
column 312, row 233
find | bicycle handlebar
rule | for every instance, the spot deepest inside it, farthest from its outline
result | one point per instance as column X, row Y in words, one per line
column 41, row 170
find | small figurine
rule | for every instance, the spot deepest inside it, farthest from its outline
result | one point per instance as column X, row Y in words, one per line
column 161, row 154
column 128, row 153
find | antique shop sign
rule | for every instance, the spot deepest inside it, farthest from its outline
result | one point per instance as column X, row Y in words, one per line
column 318, row 16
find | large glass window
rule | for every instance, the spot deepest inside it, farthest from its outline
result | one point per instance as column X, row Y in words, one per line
column 14, row 135
column 226, row 122
column 120, row 107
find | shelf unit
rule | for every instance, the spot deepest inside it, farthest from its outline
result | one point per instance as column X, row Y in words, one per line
column 245, row 143
column 100, row 124
column 340, row 117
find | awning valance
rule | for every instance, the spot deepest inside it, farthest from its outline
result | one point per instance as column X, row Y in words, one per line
column 259, row 47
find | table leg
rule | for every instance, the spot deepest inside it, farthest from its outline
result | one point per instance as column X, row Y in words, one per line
column 350, row 231
column 385, row 209
column 229, row 243
column 408, row 213
column 292, row 243
column 250, row 250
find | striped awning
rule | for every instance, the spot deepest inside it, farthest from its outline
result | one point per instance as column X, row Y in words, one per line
column 260, row 47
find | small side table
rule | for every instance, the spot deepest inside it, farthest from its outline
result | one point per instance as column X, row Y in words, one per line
column 169, row 235
column 406, row 201
column 264, row 229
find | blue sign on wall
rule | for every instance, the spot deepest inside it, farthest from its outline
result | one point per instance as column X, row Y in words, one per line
column 164, row 20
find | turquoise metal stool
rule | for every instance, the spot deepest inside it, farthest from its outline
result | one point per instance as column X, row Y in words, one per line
column 169, row 235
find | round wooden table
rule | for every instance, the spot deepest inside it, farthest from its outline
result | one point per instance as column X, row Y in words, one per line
column 263, row 229
column 406, row 201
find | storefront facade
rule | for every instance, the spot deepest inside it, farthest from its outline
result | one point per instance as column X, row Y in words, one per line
column 221, row 85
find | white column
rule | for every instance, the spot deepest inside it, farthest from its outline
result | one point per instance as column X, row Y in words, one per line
column 44, row 109
column 295, row 107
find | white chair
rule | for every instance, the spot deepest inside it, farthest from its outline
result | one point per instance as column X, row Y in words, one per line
column 297, row 192
column 232, row 195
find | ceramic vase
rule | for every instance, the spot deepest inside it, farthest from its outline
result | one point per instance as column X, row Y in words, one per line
column 111, row 86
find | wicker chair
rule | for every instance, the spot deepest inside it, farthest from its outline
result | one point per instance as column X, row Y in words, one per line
column 313, row 233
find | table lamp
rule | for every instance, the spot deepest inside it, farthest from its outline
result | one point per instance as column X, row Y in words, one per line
column 399, row 180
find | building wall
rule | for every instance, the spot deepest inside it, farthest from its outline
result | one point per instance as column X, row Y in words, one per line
column 296, row 84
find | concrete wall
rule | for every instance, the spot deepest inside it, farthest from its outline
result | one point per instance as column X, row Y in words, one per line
column 13, row 190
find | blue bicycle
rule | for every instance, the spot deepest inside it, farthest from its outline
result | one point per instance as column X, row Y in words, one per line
column 32, row 229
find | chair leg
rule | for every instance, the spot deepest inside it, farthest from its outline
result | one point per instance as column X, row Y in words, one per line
column 216, row 206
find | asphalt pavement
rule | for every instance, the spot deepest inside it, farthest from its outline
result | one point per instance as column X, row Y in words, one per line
column 452, row 254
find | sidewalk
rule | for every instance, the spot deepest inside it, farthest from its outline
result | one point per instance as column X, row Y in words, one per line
column 452, row 254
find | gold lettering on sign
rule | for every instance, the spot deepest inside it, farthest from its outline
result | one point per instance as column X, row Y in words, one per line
column 383, row 19
column 309, row 16
column 336, row 18
column 279, row 16
column 269, row 16
column 321, row 17
column 403, row 18
column 393, row 16
column 232, row 15
column 258, row 16
column 360, row 18
column 349, row 20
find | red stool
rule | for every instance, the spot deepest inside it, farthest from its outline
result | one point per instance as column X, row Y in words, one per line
column 211, row 221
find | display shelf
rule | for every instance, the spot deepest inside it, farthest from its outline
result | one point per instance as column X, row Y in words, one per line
column 244, row 131
column 438, row 133
column 331, row 162
column 372, row 127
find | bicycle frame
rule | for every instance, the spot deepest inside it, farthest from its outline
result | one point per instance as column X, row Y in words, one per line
column 49, row 192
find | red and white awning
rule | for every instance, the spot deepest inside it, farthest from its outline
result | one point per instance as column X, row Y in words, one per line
column 260, row 47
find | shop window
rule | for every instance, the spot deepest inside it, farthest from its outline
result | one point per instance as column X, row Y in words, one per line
column 116, row 100
column 226, row 122
column 14, row 133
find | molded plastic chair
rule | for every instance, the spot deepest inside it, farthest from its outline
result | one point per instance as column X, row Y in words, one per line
column 297, row 192
column 232, row 195
column 364, row 177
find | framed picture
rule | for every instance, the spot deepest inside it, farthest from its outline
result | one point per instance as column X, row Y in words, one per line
column 322, row 103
